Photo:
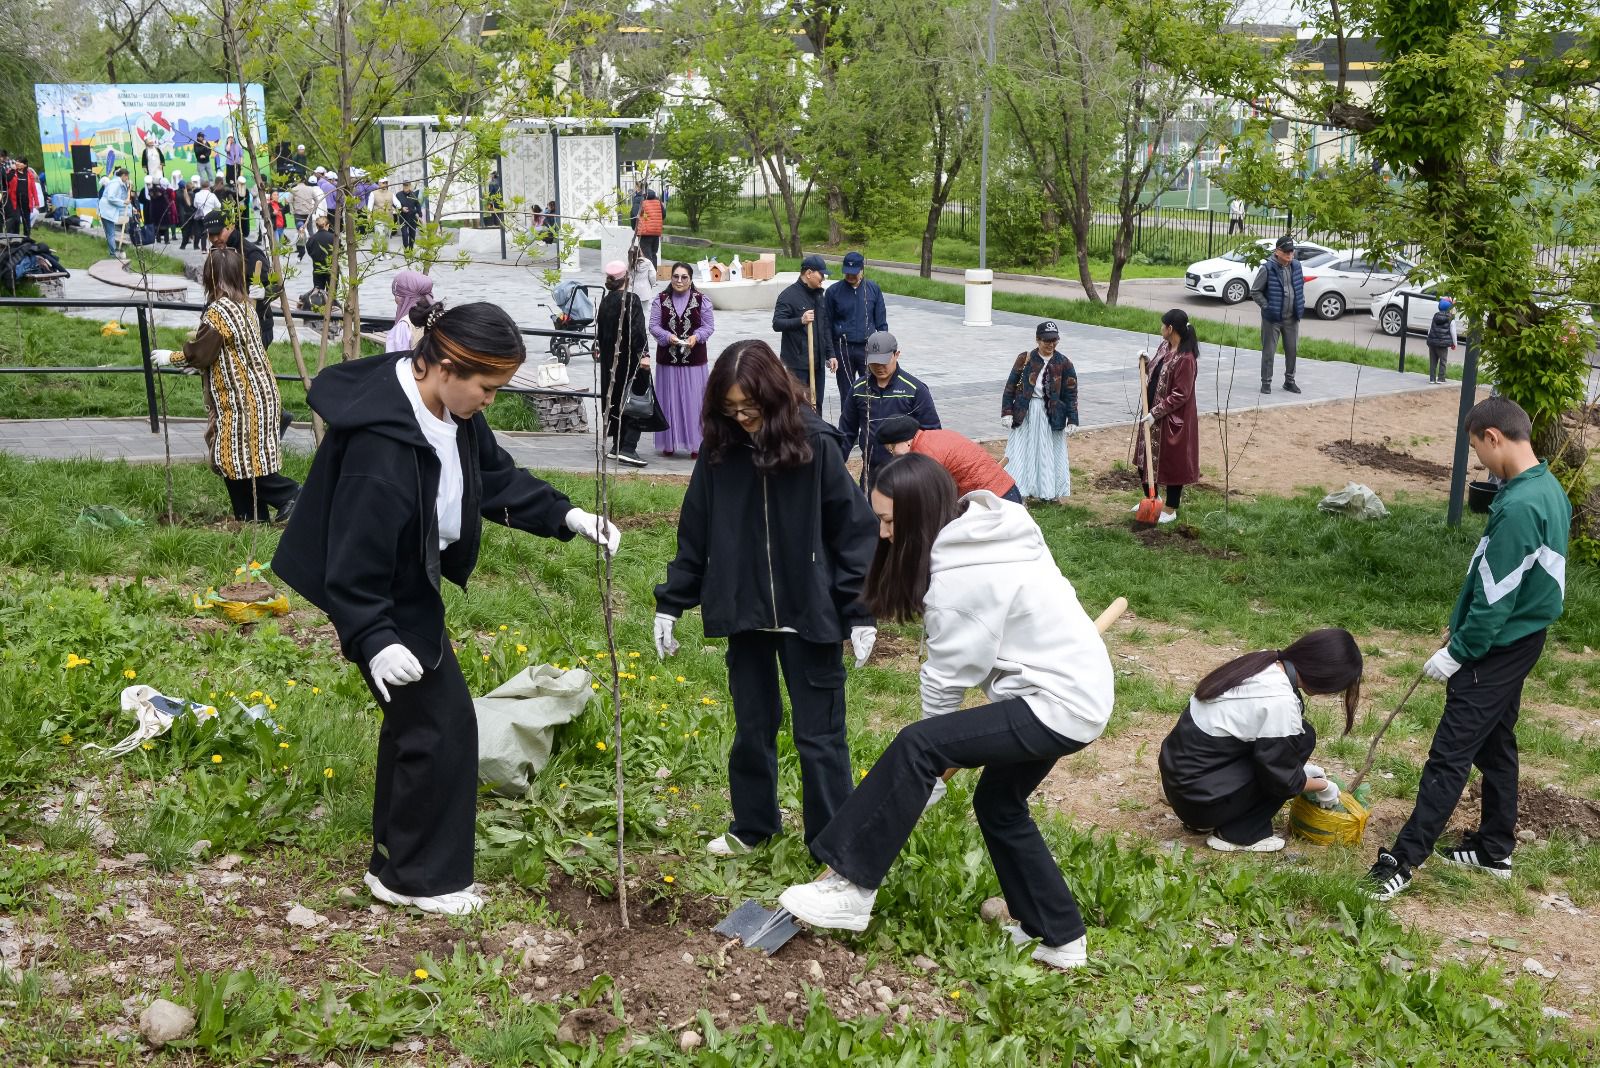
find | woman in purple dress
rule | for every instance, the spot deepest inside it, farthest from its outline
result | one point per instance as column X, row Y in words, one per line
column 681, row 321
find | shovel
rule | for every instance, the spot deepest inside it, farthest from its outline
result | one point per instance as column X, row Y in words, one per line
column 769, row 930
column 1148, row 513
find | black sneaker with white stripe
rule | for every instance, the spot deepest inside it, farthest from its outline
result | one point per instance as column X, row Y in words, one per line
column 1469, row 854
column 1387, row 877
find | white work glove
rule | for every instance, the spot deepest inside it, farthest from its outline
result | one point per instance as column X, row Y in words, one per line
column 666, row 644
column 862, row 639
column 395, row 665
column 1327, row 798
column 1315, row 772
column 1071, row 429
column 588, row 525
column 1005, row 421
column 1147, row 419
column 258, row 293
column 1441, row 665
column 163, row 356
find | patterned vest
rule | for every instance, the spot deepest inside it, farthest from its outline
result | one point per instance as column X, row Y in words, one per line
column 681, row 326
column 242, row 396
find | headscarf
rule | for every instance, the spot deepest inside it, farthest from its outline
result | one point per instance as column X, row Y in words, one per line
column 409, row 289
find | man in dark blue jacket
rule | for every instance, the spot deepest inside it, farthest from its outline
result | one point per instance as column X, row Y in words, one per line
column 855, row 308
column 885, row 391
column 1280, row 291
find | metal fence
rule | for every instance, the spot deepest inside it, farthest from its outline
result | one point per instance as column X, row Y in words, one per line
column 143, row 308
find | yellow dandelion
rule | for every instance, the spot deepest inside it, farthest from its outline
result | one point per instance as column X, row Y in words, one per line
column 707, row 701
column 652, row 678
column 238, row 571
column 663, row 724
column 327, row 773
column 66, row 739
column 522, row 648
column 255, row 565
column 563, row 786
column 147, row 746
column 633, row 656
column 667, row 879
column 663, row 705
column 290, row 683
column 594, row 686
column 672, row 789
column 503, row 627
column 255, row 693
column 283, row 745
column 600, row 746
column 682, row 679
column 76, row 661
column 316, row 689
column 216, row 758
column 955, row 995
column 695, row 807
column 694, row 734
column 485, row 658
column 422, row 973
column 129, row 673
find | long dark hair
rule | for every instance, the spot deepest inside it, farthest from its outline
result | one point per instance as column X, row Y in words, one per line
column 925, row 501
column 782, row 440
column 222, row 273
column 1178, row 319
column 477, row 339
column 1324, row 661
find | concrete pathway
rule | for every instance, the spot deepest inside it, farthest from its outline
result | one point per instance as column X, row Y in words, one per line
column 965, row 368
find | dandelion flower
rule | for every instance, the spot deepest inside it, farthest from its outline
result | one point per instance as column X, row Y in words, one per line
column 652, row 678
column 129, row 673
column 707, row 701
column 695, row 807
column 682, row 679
column 255, row 694
column 147, row 746
column 633, row 656
column 485, row 658
column 503, row 627
column 563, row 786
column 955, row 995
column 327, row 773
column 522, row 648
column 316, row 689
column 66, row 739
column 600, row 746
column 422, row 973
column 594, row 686
column 283, row 745
column 76, row 661
column 216, row 758
column 667, row 879
column 672, row 789
column 290, row 683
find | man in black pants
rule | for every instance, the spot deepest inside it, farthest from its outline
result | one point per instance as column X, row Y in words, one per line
column 1514, row 590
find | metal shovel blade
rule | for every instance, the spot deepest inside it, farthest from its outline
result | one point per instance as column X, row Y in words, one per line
column 768, row 930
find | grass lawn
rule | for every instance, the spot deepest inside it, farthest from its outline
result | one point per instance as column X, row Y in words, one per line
column 1196, row 959
column 78, row 248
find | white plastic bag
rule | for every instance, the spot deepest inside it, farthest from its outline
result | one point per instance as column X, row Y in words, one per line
column 517, row 723
column 1356, row 501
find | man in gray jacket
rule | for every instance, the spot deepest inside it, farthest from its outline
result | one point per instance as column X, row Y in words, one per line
column 1280, row 291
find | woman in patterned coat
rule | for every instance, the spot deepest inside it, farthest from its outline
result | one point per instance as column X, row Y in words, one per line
column 1172, row 411
column 241, row 393
column 1040, row 405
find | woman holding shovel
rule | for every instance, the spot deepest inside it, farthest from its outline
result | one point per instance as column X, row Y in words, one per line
column 1171, row 413
column 997, row 613
column 395, row 501
column 1238, row 753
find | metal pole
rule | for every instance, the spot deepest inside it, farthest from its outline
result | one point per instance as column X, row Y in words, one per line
column 1458, row 467
column 1405, row 327
column 149, row 371
column 983, row 178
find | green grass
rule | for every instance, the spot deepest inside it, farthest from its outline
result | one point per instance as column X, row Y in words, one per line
column 1312, row 974
column 78, row 248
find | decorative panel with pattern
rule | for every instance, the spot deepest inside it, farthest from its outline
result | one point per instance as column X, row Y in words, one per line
column 588, row 180
column 525, row 171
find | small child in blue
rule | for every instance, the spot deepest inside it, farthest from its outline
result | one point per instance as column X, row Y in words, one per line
column 1441, row 339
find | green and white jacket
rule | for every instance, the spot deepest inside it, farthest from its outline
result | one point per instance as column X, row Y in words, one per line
column 1518, row 575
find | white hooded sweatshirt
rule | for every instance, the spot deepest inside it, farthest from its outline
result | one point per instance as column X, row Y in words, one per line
column 999, row 614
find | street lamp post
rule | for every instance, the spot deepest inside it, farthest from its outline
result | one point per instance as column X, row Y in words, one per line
column 980, row 282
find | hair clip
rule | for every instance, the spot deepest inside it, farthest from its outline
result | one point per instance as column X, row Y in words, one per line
column 434, row 314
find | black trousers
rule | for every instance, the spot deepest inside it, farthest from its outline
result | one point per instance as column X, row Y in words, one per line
column 1235, row 225
column 424, row 804
column 408, row 234
column 802, row 376
column 651, row 246
column 1174, row 495
column 1481, row 704
column 265, row 315
column 250, row 505
column 852, row 365
column 814, row 675
column 1016, row 752
column 1243, row 819
column 1438, row 360
column 623, row 433
column 1013, row 495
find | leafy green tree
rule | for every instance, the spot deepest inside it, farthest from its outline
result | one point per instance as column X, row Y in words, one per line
column 703, row 170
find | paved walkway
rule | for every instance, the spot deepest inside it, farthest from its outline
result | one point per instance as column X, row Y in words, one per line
column 964, row 367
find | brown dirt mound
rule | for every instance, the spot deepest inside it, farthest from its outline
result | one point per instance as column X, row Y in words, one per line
column 1546, row 810
column 1182, row 538
column 1380, row 456
column 1121, row 479
column 248, row 592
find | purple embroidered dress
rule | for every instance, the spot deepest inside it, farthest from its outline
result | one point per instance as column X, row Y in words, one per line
column 681, row 372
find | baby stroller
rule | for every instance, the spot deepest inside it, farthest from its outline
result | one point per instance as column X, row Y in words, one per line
column 574, row 314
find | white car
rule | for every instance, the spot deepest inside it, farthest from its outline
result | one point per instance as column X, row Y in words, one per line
column 1394, row 313
column 1336, row 281
column 1229, row 276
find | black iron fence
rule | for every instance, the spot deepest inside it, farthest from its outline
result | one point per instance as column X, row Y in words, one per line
column 147, row 367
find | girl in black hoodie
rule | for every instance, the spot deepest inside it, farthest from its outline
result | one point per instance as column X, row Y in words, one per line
column 395, row 501
column 774, row 541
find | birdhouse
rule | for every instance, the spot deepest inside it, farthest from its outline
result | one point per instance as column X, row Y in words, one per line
column 719, row 271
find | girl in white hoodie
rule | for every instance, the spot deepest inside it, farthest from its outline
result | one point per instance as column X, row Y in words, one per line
column 997, row 613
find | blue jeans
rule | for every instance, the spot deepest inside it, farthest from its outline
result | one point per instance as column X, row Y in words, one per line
column 111, row 236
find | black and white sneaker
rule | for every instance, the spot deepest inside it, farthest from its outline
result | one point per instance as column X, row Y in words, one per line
column 1387, row 877
column 1469, row 854
column 632, row 459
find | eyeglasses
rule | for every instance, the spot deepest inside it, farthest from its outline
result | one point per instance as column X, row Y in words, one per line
column 749, row 411
column 680, row 278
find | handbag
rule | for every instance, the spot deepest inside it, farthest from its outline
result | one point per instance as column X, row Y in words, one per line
column 640, row 407
column 550, row 374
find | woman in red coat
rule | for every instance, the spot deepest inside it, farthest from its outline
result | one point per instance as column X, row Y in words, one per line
column 1175, row 419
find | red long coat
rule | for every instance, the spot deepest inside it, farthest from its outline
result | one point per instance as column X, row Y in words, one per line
column 1175, row 436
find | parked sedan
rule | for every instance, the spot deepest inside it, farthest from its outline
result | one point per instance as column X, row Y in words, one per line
column 1348, row 279
column 1394, row 313
column 1229, row 276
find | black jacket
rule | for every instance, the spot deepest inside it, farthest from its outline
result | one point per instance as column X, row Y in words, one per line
column 320, row 247
column 257, row 267
column 792, row 302
column 363, row 542
column 620, row 345
column 788, row 549
column 1255, row 734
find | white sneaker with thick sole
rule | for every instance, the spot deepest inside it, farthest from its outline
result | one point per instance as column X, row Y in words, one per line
column 1074, row 954
column 1270, row 844
column 727, row 845
column 1167, row 517
column 833, row 902
column 457, row 903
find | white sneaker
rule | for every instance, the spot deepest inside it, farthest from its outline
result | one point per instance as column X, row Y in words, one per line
column 1168, row 517
column 727, row 845
column 456, row 903
column 832, row 901
column 939, row 790
column 1074, row 954
column 1269, row 844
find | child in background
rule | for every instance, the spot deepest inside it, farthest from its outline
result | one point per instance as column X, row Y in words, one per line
column 1441, row 339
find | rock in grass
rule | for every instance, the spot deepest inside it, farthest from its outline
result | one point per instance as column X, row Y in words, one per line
column 580, row 1025
column 162, row 1022
column 814, row 972
column 300, row 916
column 689, row 1041
column 993, row 910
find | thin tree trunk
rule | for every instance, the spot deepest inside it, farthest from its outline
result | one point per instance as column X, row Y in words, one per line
column 347, row 218
column 835, row 210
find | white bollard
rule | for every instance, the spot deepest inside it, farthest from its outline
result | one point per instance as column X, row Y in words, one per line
column 980, row 297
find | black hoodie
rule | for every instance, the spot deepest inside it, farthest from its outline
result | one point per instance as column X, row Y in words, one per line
column 363, row 541
column 787, row 549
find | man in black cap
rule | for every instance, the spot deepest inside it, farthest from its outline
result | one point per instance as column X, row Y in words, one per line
column 801, row 316
column 257, row 268
column 855, row 307
column 1280, row 290
column 885, row 391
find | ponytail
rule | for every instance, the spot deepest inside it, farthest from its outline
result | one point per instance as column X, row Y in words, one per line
column 477, row 339
column 1188, row 342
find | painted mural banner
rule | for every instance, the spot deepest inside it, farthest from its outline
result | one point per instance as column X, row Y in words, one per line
column 119, row 123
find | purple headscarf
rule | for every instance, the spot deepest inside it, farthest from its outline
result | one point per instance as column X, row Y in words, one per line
column 409, row 288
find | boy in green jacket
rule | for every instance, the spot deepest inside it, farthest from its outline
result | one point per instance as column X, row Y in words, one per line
column 1512, row 593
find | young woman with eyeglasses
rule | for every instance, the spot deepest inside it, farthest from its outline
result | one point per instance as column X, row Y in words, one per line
column 681, row 321
column 774, row 541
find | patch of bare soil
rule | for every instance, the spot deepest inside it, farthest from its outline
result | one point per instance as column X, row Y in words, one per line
column 1380, row 456
column 1183, row 538
column 1546, row 810
column 1120, row 478
column 247, row 592
column 645, row 519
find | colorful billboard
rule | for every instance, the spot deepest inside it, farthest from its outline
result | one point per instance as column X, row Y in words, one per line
column 118, row 122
